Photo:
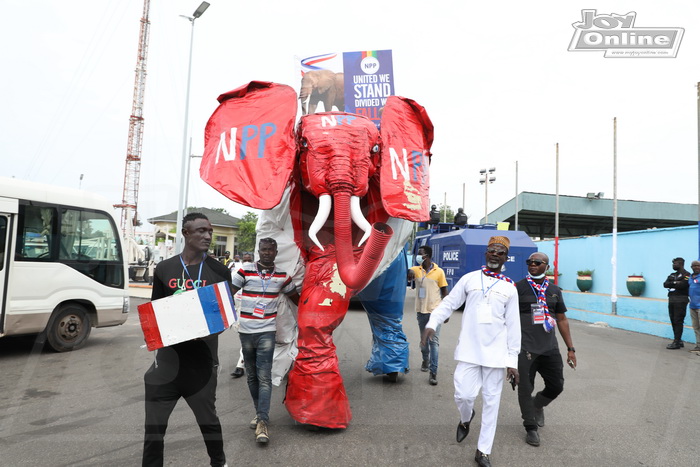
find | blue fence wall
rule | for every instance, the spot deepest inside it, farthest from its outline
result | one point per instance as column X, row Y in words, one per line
column 645, row 252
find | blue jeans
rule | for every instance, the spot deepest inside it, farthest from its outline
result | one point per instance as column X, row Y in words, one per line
column 258, row 351
column 430, row 351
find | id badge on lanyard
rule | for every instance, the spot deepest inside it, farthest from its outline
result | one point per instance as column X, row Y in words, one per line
column 483, row 313
column 259, row 310
column 537, row 313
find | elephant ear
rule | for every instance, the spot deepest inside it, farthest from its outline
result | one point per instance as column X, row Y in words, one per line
column 407, row 135
column 249, row 144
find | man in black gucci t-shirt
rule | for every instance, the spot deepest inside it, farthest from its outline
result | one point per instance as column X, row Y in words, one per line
column 188, row 369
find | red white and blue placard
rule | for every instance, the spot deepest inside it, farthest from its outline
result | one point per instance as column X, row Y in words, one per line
column 186, row 316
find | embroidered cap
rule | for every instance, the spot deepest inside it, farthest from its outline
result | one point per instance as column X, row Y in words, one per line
column 500, row 240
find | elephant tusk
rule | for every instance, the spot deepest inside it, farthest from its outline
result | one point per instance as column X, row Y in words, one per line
column 359, row 219
column 324, row 210
column 305, row 105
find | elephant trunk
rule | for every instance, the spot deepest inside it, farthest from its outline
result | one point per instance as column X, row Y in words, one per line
column 356, row 276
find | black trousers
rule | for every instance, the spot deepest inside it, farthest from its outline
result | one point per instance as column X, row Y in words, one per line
column 676, row 313
column 551, row 368
column 198, row 388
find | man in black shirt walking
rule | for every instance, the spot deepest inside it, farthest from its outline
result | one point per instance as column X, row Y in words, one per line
column 188, row 369
column 542, row 309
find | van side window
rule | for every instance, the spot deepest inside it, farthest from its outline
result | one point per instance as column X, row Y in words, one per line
column 89, row 245
column 87, row 235
column 37, row 228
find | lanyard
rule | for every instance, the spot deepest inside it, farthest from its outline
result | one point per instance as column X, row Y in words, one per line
column 199, row 277
column 265, row 282
column 536, row 291
column 423, row 276
column 485, row 292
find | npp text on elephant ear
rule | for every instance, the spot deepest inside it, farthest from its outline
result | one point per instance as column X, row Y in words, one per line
column 249, row 144
column 404, row 182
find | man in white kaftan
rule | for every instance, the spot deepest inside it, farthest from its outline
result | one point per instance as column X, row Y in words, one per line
column 489, row 342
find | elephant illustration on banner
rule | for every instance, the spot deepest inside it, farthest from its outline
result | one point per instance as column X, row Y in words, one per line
column 341, row 197
column 322, row 86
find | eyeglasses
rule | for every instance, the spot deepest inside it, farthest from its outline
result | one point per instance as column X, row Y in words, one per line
column 493, row 251
column 536, row 262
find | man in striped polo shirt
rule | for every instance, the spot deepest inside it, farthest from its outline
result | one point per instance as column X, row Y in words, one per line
column 262, row 287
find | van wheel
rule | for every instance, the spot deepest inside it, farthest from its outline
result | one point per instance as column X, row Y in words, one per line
column 68, row 328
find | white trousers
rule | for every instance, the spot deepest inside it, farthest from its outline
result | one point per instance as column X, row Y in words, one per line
column 469, row 380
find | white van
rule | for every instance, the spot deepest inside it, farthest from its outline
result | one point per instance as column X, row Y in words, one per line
column 62, row 268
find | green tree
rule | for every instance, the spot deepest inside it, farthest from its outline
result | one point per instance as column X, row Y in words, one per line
column 450, row 216
column 199, row 209
column 221, row 210
column 246, row 232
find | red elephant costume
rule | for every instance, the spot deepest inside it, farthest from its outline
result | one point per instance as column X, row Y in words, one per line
column 336, row 170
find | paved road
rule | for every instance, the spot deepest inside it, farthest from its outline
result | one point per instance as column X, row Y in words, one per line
column 630, row 403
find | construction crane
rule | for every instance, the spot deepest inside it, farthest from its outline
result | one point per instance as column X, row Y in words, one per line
column 139, row 256
column 132, row 172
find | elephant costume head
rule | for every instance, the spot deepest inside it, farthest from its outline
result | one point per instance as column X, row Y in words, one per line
column 334, row 162
column 322, row 86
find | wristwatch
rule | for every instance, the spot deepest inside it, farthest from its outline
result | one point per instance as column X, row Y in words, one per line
column 571, row 349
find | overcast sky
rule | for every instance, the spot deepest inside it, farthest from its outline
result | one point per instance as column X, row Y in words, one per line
column 496, row 79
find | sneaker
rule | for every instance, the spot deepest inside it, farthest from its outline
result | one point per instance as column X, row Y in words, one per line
column 425, row 366
column 433, row 379
column 238, row 372
column 261, row 435
column 254, row 423
column 696, row 348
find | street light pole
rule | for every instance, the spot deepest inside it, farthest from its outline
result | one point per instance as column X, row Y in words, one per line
column 487, row 176
column 556, row 221
column 185, row 152
column 613, row 292
column 189, row 170
column 444, row 211
column 517, row 207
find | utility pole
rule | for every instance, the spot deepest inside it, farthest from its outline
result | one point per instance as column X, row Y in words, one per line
column 517, row 207
column 613, row 292
column 556, row 223
column 444, row 210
